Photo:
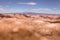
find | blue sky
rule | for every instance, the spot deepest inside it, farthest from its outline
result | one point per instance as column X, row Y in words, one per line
column 39, row 6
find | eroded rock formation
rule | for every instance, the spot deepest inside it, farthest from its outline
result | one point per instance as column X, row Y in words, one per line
column 29, row 27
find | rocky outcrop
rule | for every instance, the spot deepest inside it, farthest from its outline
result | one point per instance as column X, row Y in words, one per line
column 29, row 27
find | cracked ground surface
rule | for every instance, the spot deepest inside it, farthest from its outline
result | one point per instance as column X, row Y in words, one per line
column 29, row 27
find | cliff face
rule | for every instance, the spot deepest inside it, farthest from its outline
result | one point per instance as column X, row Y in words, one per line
column 29, row 27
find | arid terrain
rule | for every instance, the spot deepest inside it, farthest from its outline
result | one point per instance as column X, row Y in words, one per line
column 29, row 27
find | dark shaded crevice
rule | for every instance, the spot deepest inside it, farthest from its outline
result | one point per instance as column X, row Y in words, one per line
column 5, row 16
column 54, row 22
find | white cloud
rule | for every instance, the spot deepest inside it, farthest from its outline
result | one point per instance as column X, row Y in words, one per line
column 54, row 8
column 1, row 9
column 28, row 3
column 45, row 9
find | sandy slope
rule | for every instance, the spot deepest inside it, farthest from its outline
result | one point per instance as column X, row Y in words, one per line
column 27, row 27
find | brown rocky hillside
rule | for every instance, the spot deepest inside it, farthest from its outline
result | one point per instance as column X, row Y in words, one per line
column 29, row 27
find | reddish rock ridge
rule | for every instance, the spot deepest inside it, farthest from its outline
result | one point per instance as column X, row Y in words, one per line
column 29, row 27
